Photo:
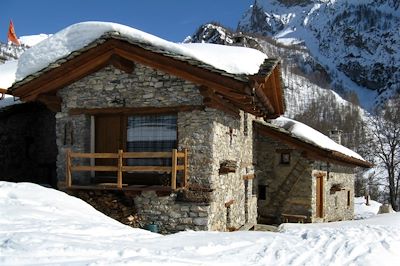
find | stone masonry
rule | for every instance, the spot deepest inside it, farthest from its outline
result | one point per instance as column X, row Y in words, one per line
column 211, row 137
column 300, row 195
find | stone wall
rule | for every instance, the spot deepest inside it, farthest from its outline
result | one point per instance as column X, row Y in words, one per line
column 271, row 175
column 338, row 198
column 232, row 141
column 211, row 137
column 27, row 144
column 300, row 197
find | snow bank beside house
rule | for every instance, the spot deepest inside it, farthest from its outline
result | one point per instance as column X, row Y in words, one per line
column 362, row 211
column 235, row 60
column 42, row 226
column 313, row 136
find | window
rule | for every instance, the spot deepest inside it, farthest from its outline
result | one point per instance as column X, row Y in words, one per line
column 151, row 133
column 262, row 192
column 285, row 158
column 348, row 198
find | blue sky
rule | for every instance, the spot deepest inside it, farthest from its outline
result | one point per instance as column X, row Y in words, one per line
column 170, row 19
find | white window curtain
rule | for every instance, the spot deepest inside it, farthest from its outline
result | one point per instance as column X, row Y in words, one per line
column 151, row 133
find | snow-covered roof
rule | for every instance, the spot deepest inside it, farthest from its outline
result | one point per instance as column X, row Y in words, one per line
column 311, row 136
column 31, row 40
column 233, row 60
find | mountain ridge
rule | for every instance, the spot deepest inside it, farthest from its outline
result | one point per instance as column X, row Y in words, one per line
column 355, row 42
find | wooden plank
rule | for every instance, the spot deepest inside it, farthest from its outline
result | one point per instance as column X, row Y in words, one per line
column 215, row 101
column 136, row 110
column 229, row 203
column 68, row 175
column 52, row 102
column 94, row 155
column 122, row 64
column 186, row 169
column 166, row 169
column 249, row 176
column 181, row 154
column 120, row 162
column 180, row 167
column 134, row 155
column 94, row 168
column 173, row 174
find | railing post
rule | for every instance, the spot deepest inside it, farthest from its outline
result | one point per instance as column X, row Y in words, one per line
column 68, row 175
column 186, row 166
column 119, row 175
column 173, row 174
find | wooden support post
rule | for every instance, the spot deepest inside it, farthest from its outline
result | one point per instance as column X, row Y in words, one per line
column 68, row 175
column 173, row 174
column 119, row 175
column 186, row 168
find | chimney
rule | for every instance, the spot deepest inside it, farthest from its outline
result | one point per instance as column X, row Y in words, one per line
column 336, row 135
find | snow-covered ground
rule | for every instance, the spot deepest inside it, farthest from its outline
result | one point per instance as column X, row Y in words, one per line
column 41, row 226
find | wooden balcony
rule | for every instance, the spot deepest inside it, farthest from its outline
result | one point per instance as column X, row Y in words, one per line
column 179, row 164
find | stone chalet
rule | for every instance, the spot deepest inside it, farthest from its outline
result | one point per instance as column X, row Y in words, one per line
column 179, row 141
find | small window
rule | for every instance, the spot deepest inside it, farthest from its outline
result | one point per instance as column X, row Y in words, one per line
column 285, row 158
column 348, row 198
column 262, row 192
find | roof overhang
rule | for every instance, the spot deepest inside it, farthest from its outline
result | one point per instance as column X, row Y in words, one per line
column 310, row 150
column 259, row 95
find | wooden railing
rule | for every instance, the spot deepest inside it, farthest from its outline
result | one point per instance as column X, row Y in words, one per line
column 121, row 157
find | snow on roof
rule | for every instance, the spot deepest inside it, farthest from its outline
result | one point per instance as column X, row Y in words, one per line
column 234, row 60
column 313, row 136
column 31, row 40
column 7, row 74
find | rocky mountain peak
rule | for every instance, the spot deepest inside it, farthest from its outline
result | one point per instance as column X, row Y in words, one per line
column 357, row 42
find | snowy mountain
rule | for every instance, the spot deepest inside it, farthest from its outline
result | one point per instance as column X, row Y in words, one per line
column 10, row 51
column 356, row 42
column 307, row 93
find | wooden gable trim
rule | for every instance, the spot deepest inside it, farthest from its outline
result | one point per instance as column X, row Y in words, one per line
column 310, row 151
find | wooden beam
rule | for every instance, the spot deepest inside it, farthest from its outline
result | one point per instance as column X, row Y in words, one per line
column 229, row 203
column 136, row 110
column 279, row 108
column 3, row 93
column 122, row 64
column 248, row 176
column 214, row 101
column 72, row 70
column 260, row 92
column 52, row 102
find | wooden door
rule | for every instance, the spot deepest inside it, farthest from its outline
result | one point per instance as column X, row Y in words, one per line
column 320, row 197
column 108, row 138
